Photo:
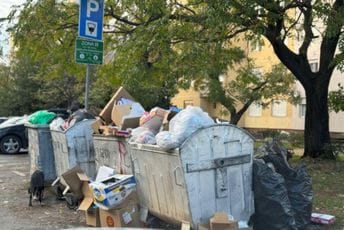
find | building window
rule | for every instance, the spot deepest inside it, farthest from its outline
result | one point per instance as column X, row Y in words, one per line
column 314, row 66
column 302, row 108
column 187, row 103
column 255, row 110
column 279, row 108
column 258, row 72
column 256, row 45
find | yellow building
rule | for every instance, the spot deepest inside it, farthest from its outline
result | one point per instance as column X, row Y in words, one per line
column 279, row 114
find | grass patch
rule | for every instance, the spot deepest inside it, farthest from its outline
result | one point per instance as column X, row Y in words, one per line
column 328, row 186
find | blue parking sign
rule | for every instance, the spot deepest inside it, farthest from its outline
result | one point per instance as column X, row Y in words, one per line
column 91, row 15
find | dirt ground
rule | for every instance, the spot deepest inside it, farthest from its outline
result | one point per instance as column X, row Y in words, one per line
column 14, row 199
column 53, row 214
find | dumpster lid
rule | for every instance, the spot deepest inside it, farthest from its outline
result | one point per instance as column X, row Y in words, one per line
column 215, row 125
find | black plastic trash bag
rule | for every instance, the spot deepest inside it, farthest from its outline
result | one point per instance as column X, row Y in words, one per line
column 80, row 115
column 273, row 210
column 299, row 188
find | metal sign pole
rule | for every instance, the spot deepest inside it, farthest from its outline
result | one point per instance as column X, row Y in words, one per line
column 87, row 83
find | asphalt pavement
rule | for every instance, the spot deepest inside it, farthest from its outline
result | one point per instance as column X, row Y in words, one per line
column 14, row 199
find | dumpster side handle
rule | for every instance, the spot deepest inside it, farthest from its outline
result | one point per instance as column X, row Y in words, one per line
column 177, row 175
column 135, row 164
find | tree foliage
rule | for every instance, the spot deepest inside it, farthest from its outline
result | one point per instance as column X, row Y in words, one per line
column 167, row 44
column 336, row 99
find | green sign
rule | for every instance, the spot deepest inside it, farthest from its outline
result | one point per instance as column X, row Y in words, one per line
column 88, row 51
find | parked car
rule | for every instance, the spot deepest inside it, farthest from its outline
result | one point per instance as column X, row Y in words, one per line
column 13, row 135
column 2, row 119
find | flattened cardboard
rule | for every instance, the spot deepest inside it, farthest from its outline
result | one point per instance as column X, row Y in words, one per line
column 106, row 112
column 86, row 203
column 96, row 125
column 220, row 221
column 91, row 212
column 108, row 130
column 72, row 180
column 92, row 218
column 132, row 122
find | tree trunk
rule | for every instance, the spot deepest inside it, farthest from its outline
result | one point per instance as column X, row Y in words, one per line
column 317, row 133
column 236, row 115
column 234, row 119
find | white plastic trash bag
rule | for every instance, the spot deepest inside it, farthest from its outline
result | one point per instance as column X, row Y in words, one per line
column 165, row 141
column 183, row 125
column 143, row 135
column 57, row 124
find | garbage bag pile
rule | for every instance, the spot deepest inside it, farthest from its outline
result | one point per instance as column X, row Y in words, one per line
column 282, row 194
column 61, row 124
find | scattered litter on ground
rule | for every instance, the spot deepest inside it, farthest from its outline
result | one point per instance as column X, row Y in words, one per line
column 19, row 173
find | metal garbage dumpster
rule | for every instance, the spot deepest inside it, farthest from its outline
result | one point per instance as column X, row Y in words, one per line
column 210, row 172
column 112, row 152
column 74, row 147
column 41, row 151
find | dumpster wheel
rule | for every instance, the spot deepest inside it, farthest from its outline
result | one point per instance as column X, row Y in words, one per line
column 72, row 201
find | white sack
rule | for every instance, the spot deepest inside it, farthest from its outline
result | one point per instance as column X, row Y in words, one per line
column 183, row 125
column 165, row 141
column 57, row 124
column 143, row 135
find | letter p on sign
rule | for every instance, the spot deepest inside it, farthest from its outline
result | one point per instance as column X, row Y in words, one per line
column 92, row 6
column 91, row 19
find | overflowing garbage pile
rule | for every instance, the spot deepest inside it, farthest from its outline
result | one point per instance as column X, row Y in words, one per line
column 282, row 194
column 108, row 201
column 123, row 116
column 58, row 121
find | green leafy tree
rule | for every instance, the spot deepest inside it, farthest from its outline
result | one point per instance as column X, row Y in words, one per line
column 18, row 90
column 44, row 33
column 336, row 99
column 156, row 26
column 46, row 30
column 156, row 41
column 249, row 87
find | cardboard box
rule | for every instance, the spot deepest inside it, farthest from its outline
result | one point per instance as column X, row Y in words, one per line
column 220, row 221
column 118, row 112
column 91, row 211
column 154, row 119
column 158, row 112
column 127, row 116
column 111, row 191
column 105, row 114
column 125, row 215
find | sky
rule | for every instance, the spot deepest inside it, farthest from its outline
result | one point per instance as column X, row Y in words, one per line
column 5, row 9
